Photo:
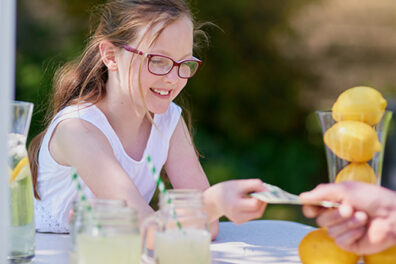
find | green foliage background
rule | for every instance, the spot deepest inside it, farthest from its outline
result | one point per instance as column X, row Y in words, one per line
column 247, row 117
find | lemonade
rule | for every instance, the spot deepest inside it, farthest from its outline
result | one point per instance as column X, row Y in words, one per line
column 119, row 248
column 22, row 227
column 176, row 246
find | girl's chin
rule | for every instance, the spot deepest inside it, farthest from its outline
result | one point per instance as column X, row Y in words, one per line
column 158, row 109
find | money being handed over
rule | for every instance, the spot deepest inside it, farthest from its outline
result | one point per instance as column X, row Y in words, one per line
column 275, row 195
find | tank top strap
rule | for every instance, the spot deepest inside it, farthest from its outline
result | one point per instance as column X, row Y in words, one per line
column 165, row 124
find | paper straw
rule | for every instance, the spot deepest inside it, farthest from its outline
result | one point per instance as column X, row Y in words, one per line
column 161, row 187
column 81, row 197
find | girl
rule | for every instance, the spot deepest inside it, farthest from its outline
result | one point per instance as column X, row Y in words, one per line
column 114, row 105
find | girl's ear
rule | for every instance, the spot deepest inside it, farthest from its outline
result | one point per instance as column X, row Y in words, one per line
column 108, row 54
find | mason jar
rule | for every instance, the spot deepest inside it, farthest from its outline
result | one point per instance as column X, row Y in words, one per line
column 106, row 232
column 179, row 231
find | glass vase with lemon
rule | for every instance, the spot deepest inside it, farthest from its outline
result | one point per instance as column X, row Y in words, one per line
column 21, row 223
column 354, row 133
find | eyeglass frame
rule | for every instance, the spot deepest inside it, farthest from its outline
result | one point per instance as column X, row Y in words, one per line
column 175, row 63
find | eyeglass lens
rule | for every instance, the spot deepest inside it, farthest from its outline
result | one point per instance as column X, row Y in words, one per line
column 162, row 65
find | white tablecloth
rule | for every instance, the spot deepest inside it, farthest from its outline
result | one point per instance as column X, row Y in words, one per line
column 262, row 241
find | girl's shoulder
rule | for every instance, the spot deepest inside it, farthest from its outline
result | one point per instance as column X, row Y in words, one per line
column 75, row 111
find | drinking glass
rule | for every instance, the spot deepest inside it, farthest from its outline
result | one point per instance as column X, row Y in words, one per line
column 179, row 230
column 109, row 234
column 336, row 164
column 79, row 214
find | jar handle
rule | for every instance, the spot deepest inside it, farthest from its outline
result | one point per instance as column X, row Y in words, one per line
column 148, row 226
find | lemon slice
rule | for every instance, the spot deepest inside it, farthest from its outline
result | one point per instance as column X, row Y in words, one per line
column 21, row 194
column 20, row 167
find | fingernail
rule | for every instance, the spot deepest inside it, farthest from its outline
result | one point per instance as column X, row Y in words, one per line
column 361, row 216
column 345, row 211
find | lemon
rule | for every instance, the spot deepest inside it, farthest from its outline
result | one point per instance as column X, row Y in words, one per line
column 21, row 194
column 317, row 247
column 352, row 141
column 24, row 162
column 357, row 172
column 360, row 104
column 387, row 256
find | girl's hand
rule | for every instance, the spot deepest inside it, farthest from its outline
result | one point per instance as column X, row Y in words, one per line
column 230, row 198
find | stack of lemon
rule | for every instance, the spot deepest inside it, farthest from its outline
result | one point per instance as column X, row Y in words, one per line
column 351, row 138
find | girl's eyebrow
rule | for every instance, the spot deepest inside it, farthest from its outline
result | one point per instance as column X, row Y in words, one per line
column 164, row 52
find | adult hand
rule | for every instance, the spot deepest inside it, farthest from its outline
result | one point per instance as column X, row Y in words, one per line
column 230, row 198
column 365, row 223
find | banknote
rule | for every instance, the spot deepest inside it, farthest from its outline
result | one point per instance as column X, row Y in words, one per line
column 275, row 195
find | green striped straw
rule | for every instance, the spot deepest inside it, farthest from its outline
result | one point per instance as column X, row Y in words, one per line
column 81, row 197
column 161, row 187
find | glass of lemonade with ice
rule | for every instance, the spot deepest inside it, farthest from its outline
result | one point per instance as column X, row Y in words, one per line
column 109, row 235
column 180, row 230
column 21, row 225
column 77, row 218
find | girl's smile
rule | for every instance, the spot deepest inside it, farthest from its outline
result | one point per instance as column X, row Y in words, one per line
column 161, row 93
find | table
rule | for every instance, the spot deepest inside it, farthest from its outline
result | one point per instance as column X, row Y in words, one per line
column 261, row 241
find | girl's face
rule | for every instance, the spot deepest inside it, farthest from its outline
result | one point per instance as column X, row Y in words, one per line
column 176, row 42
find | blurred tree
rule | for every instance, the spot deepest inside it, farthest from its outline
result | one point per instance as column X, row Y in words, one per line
column 245, row 101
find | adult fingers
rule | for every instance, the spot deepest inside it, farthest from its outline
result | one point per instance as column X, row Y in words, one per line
column 359, row 219
column 312, row 211
column 334, row 216
column 349, row 239
column 323, row 192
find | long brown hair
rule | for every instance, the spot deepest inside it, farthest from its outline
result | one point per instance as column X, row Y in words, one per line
column 84, row 79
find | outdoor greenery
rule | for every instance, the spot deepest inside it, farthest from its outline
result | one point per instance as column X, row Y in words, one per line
column 252, row 116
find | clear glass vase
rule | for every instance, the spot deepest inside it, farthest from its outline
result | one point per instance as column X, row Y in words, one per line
column 345, row 145
column 21, row 224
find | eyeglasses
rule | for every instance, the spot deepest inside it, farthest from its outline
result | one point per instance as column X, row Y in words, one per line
column 162, row 65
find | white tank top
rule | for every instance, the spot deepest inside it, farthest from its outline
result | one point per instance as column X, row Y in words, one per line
column 55, row 185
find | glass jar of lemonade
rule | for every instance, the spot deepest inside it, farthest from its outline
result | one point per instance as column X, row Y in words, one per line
column 77, row 218
column 178, row 233
column 109, row 235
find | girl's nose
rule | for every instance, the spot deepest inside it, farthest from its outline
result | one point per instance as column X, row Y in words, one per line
column 172, row 76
